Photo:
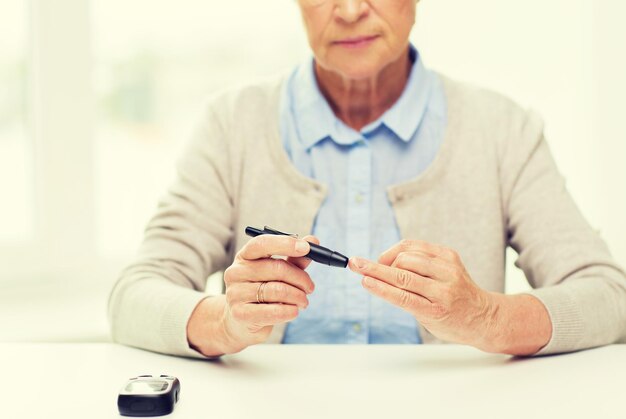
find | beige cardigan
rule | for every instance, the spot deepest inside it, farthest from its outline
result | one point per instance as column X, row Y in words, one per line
column 493, row 183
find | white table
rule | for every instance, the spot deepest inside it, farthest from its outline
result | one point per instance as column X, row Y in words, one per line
column 316, row 381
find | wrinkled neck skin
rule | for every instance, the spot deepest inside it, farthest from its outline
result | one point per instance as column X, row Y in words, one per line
column 359, row 102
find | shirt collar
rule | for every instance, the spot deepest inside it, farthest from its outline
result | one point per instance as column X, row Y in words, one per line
column 315, row 120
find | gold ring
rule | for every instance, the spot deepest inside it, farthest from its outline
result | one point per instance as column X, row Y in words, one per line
column 259, row 294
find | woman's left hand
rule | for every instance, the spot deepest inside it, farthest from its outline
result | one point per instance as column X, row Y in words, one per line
column 431, row 282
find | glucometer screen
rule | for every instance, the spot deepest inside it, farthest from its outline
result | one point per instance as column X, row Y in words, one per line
column 146, row 386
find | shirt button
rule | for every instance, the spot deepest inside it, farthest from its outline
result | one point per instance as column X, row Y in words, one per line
column 356, row 327
column 358, row 198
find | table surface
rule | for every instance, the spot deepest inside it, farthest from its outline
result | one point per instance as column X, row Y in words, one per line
column 318, row 381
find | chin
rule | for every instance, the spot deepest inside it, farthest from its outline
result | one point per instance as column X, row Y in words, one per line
column 355, row 64
column 356, row 71
column 355, row 68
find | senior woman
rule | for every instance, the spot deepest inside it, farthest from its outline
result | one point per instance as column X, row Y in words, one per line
column 427, row 180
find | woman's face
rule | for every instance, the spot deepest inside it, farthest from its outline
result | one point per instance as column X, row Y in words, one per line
column 357, row 38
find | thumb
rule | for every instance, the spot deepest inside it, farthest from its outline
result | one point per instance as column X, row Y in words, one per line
column 303, row 262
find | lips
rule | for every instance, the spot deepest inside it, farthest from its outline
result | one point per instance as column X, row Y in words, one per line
column 356, row 40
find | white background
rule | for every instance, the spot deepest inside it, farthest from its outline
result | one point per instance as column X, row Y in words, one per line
column 112, row 88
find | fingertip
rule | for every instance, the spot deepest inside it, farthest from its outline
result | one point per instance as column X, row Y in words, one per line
column 292, row 311
column 311, row 239
column 306, row 262
column 302, row 246
column 301, row 262
column 358, row 263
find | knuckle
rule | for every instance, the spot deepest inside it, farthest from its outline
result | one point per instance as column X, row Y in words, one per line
column 406, row 243
column 457, row 273
column 428, row 262
column 279, row 267
column 405, row 299
column 402, row 278
column 401, row 259
column 280, row 291
column 261, row 241
column 228, row 275
column 230, row 295
column 239, row 255
column 453, row 254
column 440, row 311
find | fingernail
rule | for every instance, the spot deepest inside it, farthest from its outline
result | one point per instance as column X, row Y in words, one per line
column 360, row 263
column 367, row 281
column 302, row 246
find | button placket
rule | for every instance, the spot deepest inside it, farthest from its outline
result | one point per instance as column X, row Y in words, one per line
column 358, row 235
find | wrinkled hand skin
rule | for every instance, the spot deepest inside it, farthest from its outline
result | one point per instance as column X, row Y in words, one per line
column 231, row 322
column 431, row 282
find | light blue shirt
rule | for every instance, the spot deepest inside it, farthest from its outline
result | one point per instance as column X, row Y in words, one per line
column 356, row 218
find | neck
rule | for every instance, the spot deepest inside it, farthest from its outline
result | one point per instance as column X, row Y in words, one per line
column 359, row 102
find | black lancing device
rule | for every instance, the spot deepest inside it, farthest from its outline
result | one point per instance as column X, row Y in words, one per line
column 317, row 253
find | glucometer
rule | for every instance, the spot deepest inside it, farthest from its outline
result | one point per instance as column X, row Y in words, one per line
column 319, row 254
column 146, row 395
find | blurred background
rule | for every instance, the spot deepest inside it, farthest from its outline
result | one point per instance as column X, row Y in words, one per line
column 98, row 97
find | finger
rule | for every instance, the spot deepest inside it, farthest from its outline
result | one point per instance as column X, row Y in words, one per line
column 433, row 250
column 267, row 245
column 303, row 262
column 424, row 265
column 413, row 303
column 265, row 270
column 388, row 256
column 400, row 278
column 264, row 314
column 272, row 292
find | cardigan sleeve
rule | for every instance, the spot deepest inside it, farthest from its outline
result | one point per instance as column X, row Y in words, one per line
column 564, row 259
column 186, row 240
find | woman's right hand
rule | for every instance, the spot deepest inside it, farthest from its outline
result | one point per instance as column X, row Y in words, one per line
column 231, row 322
column 246, row 322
